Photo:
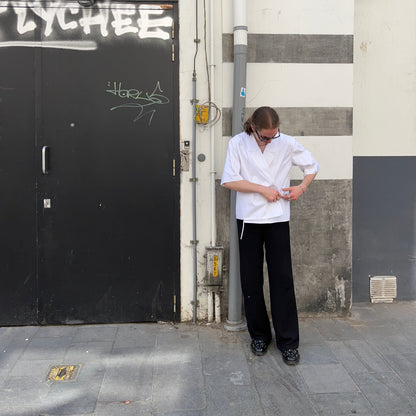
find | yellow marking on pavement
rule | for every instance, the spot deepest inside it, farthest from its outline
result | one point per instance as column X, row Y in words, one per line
column 63, row 373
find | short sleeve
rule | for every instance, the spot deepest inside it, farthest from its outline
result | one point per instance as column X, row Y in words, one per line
column 304, row 159
column 232, row 165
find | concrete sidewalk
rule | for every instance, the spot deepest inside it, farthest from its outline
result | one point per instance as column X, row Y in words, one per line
column 364, row 365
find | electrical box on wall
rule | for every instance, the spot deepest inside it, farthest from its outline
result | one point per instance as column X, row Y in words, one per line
column 202, row 114
column 214, row 257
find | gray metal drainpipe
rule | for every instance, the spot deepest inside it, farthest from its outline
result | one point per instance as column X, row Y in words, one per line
column 194, row 241
column 234, row 321
column 194, row 179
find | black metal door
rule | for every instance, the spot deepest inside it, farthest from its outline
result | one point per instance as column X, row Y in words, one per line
column 18, row 290
column 107, row 197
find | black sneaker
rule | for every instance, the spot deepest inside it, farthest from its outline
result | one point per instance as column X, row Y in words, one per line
column 291, row 356
column 259, row 347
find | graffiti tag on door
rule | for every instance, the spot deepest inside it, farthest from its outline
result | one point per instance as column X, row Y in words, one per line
column 144, row 102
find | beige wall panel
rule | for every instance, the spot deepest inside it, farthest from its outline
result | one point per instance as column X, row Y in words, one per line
column 385, row 78
column 295, row 16
column 333, row 154
column 294, row 85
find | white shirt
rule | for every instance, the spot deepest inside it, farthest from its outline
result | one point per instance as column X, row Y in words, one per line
column 245, row 161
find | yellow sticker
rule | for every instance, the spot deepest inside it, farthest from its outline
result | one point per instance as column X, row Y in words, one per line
column 215, row 266
column 202, row 114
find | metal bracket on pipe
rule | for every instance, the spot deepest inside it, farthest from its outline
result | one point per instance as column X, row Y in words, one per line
column 193, row 179
column 235, row 326
column 194, row 241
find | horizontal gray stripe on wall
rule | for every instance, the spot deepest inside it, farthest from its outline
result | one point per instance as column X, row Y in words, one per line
column 304, row 121
column 314, row 49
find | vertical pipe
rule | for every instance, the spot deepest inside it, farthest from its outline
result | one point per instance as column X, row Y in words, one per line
column 240, row 66
column 217, row 297
column 212, row 131
column 194, row 233
column 234, row 321
column 194, row 179
column 210, row 306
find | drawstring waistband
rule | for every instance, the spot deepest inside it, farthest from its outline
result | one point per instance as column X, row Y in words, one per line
column 242, row 231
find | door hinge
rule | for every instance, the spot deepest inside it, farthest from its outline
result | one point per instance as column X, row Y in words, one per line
column 173, row 52
column 174, row 167
column 174, row 303
column 173, row 30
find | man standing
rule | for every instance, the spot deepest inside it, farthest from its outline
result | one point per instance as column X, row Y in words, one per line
column 258, row 167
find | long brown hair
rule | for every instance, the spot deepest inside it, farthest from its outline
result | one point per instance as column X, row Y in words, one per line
column 262, row 118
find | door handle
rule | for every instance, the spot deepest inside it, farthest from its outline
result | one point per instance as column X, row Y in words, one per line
column 45, row 160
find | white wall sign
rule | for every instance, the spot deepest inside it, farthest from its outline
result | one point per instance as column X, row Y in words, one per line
column 117, row 19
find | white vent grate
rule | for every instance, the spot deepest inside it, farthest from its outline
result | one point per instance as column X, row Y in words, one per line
column 383, row 289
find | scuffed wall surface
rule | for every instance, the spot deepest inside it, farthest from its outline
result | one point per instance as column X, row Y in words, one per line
column 321, row 237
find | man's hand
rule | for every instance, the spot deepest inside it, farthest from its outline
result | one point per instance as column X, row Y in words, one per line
column 294, row 193
column 272, row 195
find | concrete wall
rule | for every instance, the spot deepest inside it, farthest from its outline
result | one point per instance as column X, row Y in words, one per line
column 385, row 78
column 321, row 239
column 300, row 61
column 205, row 213
column 303, row 68
column 384, row 145
column 342, row 75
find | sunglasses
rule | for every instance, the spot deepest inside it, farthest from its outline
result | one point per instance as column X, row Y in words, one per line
column 266, row 139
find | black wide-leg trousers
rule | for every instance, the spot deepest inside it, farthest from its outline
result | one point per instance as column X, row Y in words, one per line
column 275, row 240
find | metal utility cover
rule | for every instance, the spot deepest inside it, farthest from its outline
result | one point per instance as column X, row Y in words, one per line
column 64, row 373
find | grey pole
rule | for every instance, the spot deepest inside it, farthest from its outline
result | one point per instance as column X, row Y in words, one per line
column 194, row 222
column 194, row 179
column 234, row 321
